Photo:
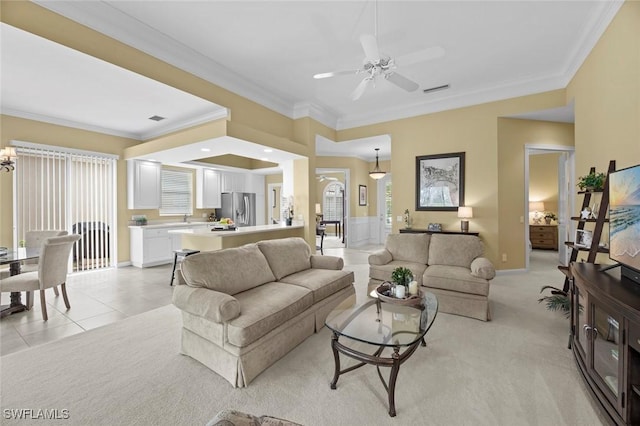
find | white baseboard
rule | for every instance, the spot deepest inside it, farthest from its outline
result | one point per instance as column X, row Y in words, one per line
column 511, row 271
column 123, row 264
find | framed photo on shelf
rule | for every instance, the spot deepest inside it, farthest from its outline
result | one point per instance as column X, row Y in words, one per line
column 440, row 182
column 583, row 238
column 362, row 195
column 436, row 227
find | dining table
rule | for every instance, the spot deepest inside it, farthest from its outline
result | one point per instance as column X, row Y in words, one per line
column 14, row 258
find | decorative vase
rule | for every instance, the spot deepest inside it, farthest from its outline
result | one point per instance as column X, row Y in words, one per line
column 547, row 221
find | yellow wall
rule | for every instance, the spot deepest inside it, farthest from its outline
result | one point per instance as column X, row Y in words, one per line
column 48, row 134
column 513, row 135
column 606, row 91
column 543, row 180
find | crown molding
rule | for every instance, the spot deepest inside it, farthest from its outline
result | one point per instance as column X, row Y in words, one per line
column 68, row 123
column 112, row 22
column 499, row 92
column 192, row 121
column 319, row 113
column 591, row 33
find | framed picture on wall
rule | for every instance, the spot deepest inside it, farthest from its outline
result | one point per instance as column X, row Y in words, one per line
column 440, row 182
column 362, row 192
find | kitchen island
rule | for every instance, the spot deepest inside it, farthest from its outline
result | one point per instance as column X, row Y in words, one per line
column 205, row 239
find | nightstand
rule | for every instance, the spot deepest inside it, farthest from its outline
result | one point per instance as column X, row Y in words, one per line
column 544, row 236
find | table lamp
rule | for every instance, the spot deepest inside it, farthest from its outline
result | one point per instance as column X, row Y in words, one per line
column 465, row 213
column 536, row 207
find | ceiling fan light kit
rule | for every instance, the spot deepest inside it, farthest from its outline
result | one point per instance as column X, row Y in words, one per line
column 377, row 173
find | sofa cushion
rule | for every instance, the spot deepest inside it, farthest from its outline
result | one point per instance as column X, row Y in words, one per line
column 220, row 271
column 264, row 308
column 454, row 278
column 321, row 282
column 286, row 256
column 454, row 250
column 383, row 272
column 409, row 247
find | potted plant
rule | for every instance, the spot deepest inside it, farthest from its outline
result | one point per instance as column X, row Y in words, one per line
column 592, row 181
column 557, row 301
column 402, row 276
column 549, row 216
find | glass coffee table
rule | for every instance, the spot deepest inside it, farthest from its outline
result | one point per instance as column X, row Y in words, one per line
column 385, row 326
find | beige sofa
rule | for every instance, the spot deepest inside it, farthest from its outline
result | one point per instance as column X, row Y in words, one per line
column 449, row 265
column 244, row 308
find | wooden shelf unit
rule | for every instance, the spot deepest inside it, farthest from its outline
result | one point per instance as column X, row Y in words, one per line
column 599, row 222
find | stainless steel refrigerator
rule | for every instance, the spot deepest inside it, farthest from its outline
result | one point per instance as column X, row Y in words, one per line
column 240, row 207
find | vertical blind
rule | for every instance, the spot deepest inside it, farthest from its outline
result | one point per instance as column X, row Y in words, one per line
column 176, row 193
column 62, row 190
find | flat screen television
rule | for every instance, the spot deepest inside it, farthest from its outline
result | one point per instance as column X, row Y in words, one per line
column 624, row 220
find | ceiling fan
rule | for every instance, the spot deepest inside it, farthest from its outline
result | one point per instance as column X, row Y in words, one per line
column 375, row 64
column 322, row 178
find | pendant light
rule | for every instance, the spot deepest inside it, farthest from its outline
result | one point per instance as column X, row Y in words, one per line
column 376, row 173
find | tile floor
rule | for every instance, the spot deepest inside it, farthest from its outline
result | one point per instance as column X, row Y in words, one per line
column 103, row 297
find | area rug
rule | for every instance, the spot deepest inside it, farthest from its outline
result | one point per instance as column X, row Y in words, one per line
column 510, row 371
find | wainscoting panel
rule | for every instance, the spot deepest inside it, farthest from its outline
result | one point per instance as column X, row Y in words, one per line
column 362, row 231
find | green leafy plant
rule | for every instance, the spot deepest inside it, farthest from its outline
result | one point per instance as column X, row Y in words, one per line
column 402, row 276
column 592, row 181
column 550, row 215
column 559, row 300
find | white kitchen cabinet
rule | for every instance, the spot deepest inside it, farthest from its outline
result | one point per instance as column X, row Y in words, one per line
column 208, row 189
column 143, row 184
column 153, row 246
column 233, row 182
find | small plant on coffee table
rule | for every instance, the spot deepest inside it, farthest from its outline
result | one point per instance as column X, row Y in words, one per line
column 402, row 276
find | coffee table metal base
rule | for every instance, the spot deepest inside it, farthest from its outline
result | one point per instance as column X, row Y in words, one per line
column 396, row 360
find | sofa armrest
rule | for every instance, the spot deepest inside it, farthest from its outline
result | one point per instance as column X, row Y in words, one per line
column 209, row 304
column 380, row 257
column 482, row 267
column 326, row 262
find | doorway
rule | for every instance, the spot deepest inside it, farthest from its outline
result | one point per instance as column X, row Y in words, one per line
column 561, row 161
column 332, row 205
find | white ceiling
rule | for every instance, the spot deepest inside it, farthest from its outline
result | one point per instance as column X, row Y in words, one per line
column 268, row 51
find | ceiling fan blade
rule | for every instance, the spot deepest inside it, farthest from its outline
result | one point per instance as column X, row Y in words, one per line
column 370, row 47
column 420, row 56
column 335, row 73
column 402, row 82
column 360, row 89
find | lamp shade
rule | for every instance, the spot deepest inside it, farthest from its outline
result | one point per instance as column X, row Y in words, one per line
column 465, row 212
column 8, row 152
column 536, row 206
column 318, row 209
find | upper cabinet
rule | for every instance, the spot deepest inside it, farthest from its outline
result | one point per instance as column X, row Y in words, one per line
column 208, row 189
column 143, row 184
column 233, row 182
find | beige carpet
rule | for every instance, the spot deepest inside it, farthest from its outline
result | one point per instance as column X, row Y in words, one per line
column 514, row 370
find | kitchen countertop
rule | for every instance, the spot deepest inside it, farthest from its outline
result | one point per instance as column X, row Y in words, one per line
column 171, row 225
column 243, row 230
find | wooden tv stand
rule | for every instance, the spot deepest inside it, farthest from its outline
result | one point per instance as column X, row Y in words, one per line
column 605, row 338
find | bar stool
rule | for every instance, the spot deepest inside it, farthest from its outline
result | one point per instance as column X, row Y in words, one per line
column 182, row 253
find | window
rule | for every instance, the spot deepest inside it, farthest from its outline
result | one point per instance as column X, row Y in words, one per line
column 64, row 189
column 176, row 193
column 333, row 197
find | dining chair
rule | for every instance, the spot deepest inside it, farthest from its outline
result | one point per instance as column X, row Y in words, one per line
column 35, row 239
column 52, row 271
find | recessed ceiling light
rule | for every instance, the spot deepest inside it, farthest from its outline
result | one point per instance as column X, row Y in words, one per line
column 268, row 150
column 205, row 149
column 157, row 118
